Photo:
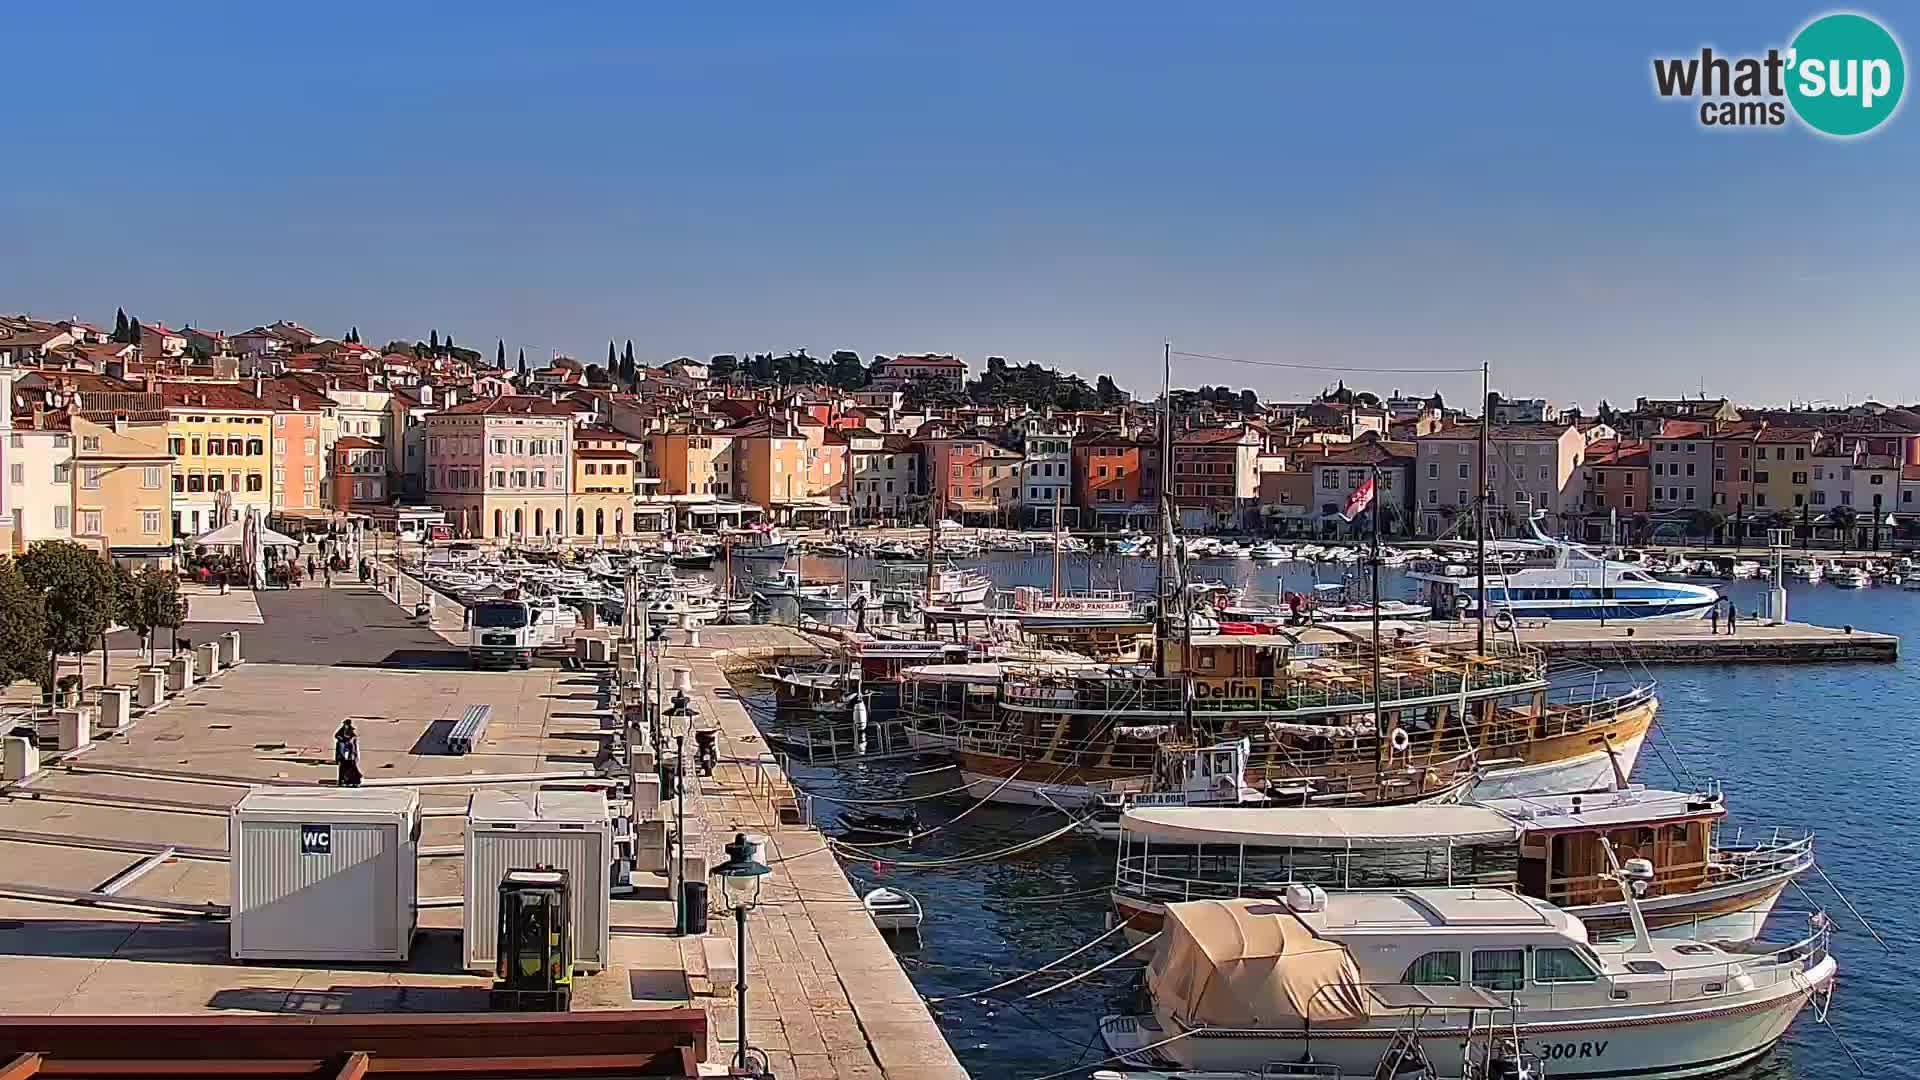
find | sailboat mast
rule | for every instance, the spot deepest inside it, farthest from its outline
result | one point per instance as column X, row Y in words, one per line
column 1379, row 720
column 1163, row 531
column 1056, row 544
column 1480, row 511
column 933, row 536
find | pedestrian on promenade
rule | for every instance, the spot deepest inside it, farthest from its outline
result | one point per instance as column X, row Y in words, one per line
column 346, row 754
column 363, row 571
column 1733, row 619
column 1715, row 616
column 312, row 570
column 328, row 571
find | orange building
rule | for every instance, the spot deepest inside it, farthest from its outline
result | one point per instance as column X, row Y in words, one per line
column 300, row 467
column 1617, row 478
column 770, row 463
column 1110, row 471
column 695, row 463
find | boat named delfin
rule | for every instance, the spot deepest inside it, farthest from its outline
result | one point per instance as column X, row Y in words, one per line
column 1238, row 985
column 1306, row 703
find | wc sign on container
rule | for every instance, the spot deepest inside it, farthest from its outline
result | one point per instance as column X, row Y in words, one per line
column 316, row 839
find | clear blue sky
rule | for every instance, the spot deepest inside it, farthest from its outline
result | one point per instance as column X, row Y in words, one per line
column 1383, row 186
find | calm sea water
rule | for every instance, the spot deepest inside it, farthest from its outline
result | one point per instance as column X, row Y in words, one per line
column 1826, row 747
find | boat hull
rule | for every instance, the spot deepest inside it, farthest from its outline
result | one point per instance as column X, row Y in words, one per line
column 1660, row 1042
column 1736, row 912
column 1555, row 775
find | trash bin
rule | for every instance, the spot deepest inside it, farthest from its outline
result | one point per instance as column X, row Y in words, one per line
column 693, row 895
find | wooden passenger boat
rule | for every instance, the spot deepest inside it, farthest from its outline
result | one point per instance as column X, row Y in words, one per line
column 1308, row 708
column 1701, row 885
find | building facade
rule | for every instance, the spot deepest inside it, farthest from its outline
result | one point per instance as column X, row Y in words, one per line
column 899, row 372
column 604, row 467
column 39, row 478
column 122, row 487
column 884, row 473
column 1340, row 473
column 219, row 437
column 358, row 473
column 499, row 467
column 1215, row 476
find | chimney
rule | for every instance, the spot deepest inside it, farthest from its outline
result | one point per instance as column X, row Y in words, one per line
column 296, row 403
column 453, row 396
column 426, row 393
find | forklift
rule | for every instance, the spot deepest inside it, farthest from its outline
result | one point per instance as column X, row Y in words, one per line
column 533, row 970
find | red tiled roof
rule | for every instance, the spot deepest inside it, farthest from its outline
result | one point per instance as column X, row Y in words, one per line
column 207, row 395
column 355, row 442
column 929, row 360
column 509, row 405
column 1683, row 429
column 588, row 452
column 1208, row 436
column 1611, row 452
column 1787, row 434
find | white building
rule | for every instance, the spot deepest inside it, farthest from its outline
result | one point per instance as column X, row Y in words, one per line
column 883, row 476
column 1047, row 477
column 39, row 479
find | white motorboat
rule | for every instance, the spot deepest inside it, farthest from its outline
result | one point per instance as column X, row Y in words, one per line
column 895, row 551
column 1389, row 609
column 760, row 543
column 1556, row 579
column 1271, row 551
column 1911, row 582
column 1851, row 577
column 893, row 909
column 1034, row 609
column 1743, row 570
column 1238, row 985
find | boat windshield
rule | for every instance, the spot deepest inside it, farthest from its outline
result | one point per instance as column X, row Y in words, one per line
column 501, row 615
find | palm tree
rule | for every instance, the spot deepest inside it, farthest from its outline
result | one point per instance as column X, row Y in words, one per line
column 1844, row 518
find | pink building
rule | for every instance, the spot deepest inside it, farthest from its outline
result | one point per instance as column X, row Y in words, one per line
column 500, row 466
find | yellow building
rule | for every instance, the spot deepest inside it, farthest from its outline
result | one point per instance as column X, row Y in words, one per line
column 601, row 498
column 220, row 436
column 122, row 486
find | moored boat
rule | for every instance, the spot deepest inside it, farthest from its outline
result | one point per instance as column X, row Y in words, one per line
column 1703, row 885
column 1238, row 985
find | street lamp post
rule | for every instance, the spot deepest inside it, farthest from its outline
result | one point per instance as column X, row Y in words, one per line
column 740, row 881
column 681, row 715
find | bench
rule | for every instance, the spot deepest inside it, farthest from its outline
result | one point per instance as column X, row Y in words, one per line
column 470, row 730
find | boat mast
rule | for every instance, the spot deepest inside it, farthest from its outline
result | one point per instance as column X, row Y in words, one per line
column 933, row 536
column 1163, row 532
column 1056, row 544
column 1379, row 720
column 1480, row 512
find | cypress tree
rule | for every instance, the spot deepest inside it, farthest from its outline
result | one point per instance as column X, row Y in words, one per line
column 120, row 324
column 433, row 340
column 500, row 355
column 447, row 345
column 613, row 362
column 523, row 363
column 133, row 332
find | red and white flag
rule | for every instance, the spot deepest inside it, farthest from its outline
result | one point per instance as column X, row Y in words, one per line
column 1359, row 500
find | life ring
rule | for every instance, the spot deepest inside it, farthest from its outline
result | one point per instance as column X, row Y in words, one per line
column 1503, row 620
column 1399, row 741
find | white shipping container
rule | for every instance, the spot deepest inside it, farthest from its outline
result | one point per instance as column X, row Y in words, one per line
column 519, row 830
column 324, row 873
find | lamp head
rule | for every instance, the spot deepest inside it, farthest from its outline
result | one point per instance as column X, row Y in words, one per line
column 740, row 875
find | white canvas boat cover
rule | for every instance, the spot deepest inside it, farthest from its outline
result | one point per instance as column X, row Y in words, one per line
column 1251, row 964
column 1323, row 827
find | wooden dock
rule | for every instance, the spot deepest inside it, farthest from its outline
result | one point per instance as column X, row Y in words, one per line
column 1690, row 641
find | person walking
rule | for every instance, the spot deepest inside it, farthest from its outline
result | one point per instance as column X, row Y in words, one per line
column 346, row 754
column 1714, row 615
column 1733, row 618
column 327, row 570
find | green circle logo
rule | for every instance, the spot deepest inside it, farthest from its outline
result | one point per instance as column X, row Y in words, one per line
column 1846, row 73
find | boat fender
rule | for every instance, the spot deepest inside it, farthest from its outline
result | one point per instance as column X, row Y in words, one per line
column 1399, row 741
column 1503, row 621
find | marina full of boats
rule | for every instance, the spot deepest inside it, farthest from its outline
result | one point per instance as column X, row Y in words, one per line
column 1346, row 847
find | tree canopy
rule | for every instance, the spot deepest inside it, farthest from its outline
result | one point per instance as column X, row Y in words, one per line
column 79, row 596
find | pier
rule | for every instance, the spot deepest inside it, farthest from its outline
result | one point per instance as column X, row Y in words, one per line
column 1687, row 641
column 117, row 856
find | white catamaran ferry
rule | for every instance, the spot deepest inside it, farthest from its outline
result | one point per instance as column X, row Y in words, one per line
column 1556, row 579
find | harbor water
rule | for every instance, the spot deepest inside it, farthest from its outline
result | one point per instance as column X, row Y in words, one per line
column 1830, row 748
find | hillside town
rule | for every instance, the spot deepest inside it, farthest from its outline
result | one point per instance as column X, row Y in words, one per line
column 136, row 440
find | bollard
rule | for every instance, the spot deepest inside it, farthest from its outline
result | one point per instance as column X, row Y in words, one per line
column 230, row 649
column 206, row 657
column 19, row 758
column 73, row 728
column 116, row 708
column 152, row 687
column 180, row 673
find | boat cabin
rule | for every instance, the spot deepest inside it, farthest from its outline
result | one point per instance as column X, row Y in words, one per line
column 1562, row 846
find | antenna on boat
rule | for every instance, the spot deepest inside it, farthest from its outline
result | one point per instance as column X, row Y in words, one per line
column 1379, row 719
column 1633, row 884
